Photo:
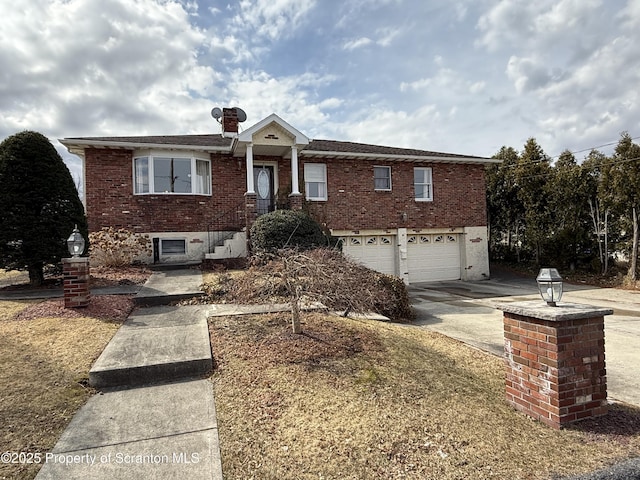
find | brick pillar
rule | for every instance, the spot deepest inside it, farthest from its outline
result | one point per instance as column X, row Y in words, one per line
column 251, row 213
column 555, row 365
column 76, row 282
column 296, row 201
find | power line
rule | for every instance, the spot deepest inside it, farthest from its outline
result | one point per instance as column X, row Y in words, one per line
column 534, row 162
column 550, row 173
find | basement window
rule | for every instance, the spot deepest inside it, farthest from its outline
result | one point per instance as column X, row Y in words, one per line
column 170, row 246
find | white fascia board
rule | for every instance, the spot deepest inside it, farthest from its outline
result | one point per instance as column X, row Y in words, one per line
column 76, row 144
column 406, row 158
column 299, row 137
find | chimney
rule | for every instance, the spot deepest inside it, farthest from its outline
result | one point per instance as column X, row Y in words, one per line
column 229, row 122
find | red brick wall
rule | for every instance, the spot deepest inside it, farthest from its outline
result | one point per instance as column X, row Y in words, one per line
column 111, row 202
column 555, row 370
column 458, row 196
column 76, row 282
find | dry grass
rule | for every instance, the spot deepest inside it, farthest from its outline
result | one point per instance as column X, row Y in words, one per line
column 352, row 399
column 12, row 277
column 45, row 364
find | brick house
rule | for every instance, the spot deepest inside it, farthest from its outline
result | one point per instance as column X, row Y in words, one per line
column 416, row 214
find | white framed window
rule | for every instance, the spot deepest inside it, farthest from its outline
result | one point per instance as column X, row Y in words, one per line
column 173, row 246
column 160, row 174
column 382, row 179
column 423, row 184
column 315, row 181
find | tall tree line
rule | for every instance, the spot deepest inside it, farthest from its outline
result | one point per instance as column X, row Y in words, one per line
column 563, row 212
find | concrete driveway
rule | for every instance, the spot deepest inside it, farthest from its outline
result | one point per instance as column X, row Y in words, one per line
column 465, row 311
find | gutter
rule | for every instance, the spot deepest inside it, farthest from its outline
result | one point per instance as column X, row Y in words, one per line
column 406, row 158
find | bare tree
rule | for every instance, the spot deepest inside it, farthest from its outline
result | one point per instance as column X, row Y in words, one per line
column 321, row 276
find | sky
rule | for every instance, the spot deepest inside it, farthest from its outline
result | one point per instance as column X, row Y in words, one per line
column 464, row 76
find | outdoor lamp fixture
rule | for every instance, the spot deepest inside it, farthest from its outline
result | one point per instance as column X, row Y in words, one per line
column 550, row 285
column 75, row 243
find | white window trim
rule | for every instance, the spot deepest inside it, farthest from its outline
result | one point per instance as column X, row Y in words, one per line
column 430, row 198
column 326, row 184
column 162, row 254
column 374, row 178
column 150, row 155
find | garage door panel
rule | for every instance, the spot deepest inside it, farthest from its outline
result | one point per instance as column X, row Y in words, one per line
column 375, row 251
column 433, row 258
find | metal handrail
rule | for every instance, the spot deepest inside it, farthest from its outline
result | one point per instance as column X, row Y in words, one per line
column 232, row 220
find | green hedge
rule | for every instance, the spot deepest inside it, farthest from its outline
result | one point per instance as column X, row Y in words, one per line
column 287, row 229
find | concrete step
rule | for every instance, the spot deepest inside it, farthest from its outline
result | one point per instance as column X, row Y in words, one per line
column 155, row 345
column 167, row 286
column 160, row 432
column 163, row 267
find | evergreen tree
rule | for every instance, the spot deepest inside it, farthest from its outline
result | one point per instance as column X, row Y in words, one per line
column 571, row 227
column 623, row 177
column 39, row 205
column 505, row 211
column 533, row 173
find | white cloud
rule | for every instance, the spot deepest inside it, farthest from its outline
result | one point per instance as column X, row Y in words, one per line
column 273, row 19
column 528, row 73
column 543, row 23
column 357, row 43
column 477, row 87
column 133, row 67
column 387, row 36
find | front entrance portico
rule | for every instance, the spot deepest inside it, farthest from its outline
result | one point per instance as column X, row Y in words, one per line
column 272, row 137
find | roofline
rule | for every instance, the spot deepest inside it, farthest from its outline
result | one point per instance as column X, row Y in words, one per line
column 73, row 143
column 299, row 137
column 407, row 158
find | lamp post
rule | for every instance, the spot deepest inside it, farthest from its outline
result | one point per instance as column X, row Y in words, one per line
column 550, row 285
column 76, row 272
column 75, row 243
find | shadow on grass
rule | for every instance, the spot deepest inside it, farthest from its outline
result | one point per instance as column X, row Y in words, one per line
column 620, row 422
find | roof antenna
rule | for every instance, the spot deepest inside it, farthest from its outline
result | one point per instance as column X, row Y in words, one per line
column 216, row 113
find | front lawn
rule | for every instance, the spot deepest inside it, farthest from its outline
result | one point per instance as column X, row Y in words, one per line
column 356, row 399
column 45, row 356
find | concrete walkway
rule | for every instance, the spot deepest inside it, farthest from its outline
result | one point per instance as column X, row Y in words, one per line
column 155, row 417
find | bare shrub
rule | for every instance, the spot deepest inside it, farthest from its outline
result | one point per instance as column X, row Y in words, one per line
column 321, row 275
column 112, row 247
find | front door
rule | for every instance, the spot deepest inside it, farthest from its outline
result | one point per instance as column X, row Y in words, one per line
column 263, row 181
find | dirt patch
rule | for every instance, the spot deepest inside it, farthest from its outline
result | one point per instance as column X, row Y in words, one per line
column 275, row 343
column 100, row 277
column 113, row 308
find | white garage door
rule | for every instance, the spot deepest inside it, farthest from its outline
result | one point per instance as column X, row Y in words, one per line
column 432, row 258
column 376, row 252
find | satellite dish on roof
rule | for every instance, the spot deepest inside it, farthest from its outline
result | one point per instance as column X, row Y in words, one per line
column 241, row 115
column 216, row 113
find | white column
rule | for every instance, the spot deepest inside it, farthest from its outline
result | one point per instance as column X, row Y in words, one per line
column 250, row 187
column 295, row 187
column 403, row 262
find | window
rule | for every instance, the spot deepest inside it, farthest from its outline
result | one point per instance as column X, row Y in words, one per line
column 173, row 247
column 315, row 181
column 382, row 178
column 423, row 184
column 158, row 174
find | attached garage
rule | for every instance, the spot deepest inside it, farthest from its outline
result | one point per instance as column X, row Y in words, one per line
column 377, row 252
column 433, row 257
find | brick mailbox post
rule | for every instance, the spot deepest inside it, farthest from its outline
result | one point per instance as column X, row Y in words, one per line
column 75, row 273
column 76, row 282
column 555, row 365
